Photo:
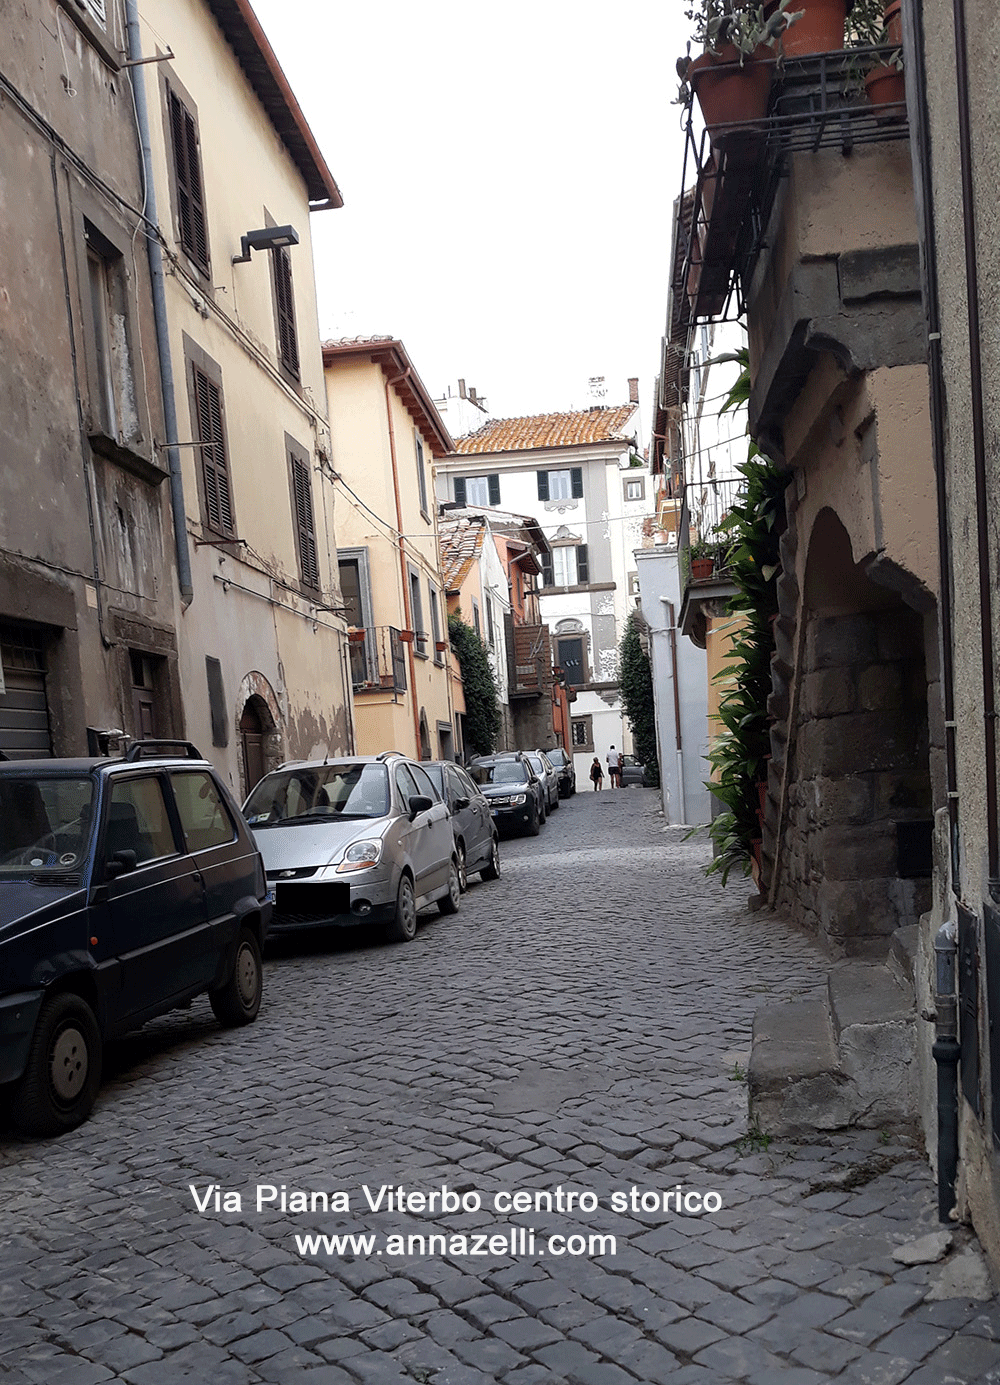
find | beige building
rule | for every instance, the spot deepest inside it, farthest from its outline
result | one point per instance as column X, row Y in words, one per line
column 386, row 435
column 236, row 175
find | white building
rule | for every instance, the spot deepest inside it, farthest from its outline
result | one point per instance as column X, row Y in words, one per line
column 581, row 476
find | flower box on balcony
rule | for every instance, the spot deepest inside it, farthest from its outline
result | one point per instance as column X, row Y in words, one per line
column 440, row 645
column 701, row 569
column 407, row 636
column 731, row 92
column 356, row 636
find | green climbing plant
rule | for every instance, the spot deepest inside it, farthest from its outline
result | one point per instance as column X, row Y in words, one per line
column 636, row 677
column 482, row 703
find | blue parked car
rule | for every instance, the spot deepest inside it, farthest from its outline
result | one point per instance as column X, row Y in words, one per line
column 127, row 887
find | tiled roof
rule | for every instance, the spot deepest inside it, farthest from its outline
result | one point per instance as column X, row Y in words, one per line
column 461, row 541
column 551, row 430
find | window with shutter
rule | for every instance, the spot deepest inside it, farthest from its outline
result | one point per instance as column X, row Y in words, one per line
column 418, row 448
column 304, row 526
column 214, row 464
column 460, row 490
column 547, row 569
column 187, row 176
column 284, row 301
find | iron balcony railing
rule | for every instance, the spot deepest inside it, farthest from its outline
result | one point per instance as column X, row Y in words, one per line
column 816, row 102
column 378, row 663
column 706, row 503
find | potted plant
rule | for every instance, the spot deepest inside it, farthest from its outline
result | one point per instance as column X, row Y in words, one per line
column 878, row 24
column 732, row 76
column 818, row 27
column 702, row 555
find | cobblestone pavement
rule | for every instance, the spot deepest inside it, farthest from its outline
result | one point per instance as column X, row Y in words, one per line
column 581, row 1024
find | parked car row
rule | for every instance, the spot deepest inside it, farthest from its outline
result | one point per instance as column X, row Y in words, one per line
column 524, row 786
column 129, row 887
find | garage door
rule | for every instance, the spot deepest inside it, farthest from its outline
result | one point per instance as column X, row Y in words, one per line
column 24, row 710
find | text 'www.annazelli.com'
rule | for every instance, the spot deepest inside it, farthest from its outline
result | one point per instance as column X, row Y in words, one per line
column 516, row 1241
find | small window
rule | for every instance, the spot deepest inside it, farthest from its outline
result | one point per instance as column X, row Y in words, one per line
column 138, row 821
column 490, row 631
column 635, row 488
column 204, row 817
column 284, row 306
column 435, row 623
column 97, row 9
column 217, row 491
column 561, row 485
column 305, row 529
column 421, row 474
column 478, row 490
column 583, row 733
column 475, row 618
column 191, row 227
column 417, row 615
column 570, row 567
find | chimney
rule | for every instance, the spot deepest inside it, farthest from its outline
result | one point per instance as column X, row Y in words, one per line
column 461, row 390
column 472, row 394
column 633, row 390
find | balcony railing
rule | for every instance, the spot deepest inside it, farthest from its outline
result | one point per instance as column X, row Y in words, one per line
column 378, row 663
column 705, row 504
column 816, row 102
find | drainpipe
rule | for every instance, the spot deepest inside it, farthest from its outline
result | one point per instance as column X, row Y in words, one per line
column 156, row 276
column 401, row 530
column 946, row 1051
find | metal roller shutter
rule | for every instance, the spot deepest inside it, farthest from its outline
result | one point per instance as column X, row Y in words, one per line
column 24, row 709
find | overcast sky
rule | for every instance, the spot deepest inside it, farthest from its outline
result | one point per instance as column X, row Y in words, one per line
column 508, row 173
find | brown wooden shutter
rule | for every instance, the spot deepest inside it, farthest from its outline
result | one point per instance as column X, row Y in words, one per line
column 187, row 172
column 288, row 346
column 214, row 466
column 302, row 491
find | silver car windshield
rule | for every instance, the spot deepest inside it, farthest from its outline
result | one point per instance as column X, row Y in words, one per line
column 344, row 789
column 45, row 823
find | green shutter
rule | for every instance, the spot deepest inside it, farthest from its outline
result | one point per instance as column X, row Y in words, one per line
column 543, row 485
column 582, row 564
column 494, row 485
column 576, row 482
column 459, row 490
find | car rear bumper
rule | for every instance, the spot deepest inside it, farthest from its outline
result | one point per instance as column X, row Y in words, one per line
column 18, row 1014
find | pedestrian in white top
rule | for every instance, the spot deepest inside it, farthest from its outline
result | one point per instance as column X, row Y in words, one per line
column 614, row 768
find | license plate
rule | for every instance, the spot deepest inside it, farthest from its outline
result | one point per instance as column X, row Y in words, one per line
column 496, row 812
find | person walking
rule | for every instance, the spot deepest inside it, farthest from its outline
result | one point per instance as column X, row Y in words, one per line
column 597, row 774
column 614, row 768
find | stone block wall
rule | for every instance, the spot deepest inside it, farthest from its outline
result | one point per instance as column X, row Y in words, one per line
column 859, row 765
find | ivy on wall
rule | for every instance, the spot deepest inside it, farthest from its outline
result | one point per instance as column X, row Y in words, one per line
column 482, row 704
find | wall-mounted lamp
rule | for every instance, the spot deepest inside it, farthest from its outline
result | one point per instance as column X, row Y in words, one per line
column 268, row 238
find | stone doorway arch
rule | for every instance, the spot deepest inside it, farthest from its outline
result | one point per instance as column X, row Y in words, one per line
column 258, row 730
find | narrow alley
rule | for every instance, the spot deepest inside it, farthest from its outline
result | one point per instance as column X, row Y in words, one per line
column 580, row 1025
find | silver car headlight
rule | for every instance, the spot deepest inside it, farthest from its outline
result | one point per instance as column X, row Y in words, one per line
column 361, row 856
column 518, row 798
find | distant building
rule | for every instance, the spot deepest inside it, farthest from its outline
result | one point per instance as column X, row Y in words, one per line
column 581, row 475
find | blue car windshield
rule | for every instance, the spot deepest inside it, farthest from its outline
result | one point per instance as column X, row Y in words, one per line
column 46, row 823
column 342, row 789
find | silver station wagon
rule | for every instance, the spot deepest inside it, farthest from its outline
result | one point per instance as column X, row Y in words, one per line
column 354, row 841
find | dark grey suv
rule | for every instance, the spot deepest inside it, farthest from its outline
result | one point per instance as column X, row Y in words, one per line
column 127, row 887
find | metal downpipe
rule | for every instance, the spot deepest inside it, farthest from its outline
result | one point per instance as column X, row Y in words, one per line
column 156, row 275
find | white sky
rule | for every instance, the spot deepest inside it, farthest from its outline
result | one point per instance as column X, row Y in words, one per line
column 508, row 173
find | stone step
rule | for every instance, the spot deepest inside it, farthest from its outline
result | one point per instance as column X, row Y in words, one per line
column 794, row 1076
column 846, row 1060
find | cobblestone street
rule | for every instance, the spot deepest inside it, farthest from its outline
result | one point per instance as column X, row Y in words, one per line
column 583, row 1024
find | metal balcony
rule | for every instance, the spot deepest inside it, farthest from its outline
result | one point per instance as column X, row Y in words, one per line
column 378, row 660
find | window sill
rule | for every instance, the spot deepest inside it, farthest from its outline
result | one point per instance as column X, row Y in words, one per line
column 136, row 462
column 578, row 587
column 93, row 33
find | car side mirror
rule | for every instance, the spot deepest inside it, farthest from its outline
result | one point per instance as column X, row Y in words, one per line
column 120, row 863
column 459, row 804
column 419, row 803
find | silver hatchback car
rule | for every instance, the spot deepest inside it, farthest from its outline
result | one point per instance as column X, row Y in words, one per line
column 360, row 840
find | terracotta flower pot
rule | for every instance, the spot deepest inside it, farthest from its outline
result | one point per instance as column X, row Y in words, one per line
column 356, row 636
column 886, row 90
column 701, row 569
column 894, row 22
column 733, row 98
column 406, row 636
column 819, row 28
column 440, row 645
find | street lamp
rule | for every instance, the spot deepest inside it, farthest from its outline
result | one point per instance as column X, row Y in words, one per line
column 267, row 238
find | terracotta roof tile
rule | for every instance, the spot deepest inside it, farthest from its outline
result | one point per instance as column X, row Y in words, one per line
column 551, row 430
column 461, row 541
